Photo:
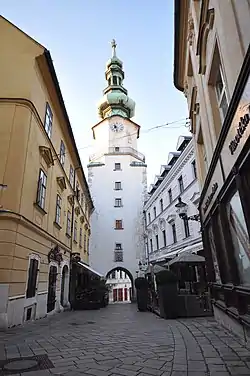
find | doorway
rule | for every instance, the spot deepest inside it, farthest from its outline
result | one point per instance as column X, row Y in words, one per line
column 51, row 301
column 64, row 286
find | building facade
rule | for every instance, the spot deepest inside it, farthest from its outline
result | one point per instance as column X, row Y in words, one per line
column 117, row 180
column 166, row 233
column 46, row 205
column 212, row 64
column 120, row 287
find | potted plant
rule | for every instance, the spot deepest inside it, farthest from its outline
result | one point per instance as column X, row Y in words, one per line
column 166, row 282
column 141, row 285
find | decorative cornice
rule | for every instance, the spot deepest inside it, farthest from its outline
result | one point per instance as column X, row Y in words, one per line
column 190, row 33
column 175, row 170
column 46, row 153
column 71, row 199
column 61, row 182
column 171, row 218
column 77, row 210
column 206, row 24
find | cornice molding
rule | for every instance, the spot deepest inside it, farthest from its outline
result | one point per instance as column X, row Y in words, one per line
column 175, row 170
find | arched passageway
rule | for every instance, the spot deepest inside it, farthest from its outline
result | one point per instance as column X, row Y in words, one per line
column 121, row 285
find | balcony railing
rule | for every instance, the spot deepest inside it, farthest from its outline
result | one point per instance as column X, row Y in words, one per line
column 119, row 151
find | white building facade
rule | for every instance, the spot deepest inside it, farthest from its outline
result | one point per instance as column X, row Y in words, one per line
column 121, row 287
column 166, row 233
column 117, row 180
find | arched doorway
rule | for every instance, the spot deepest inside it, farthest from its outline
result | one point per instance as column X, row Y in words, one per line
column 64, row 286
column 121, row 285
column 51, row 301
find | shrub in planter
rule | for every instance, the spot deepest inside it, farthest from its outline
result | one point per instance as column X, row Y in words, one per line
column 168, row 294
column 141, row 285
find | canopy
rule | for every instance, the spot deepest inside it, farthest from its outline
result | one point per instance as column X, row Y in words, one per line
column 90, row 269
column 188, row 258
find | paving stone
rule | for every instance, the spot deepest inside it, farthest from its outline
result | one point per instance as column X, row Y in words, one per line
column 151, row 371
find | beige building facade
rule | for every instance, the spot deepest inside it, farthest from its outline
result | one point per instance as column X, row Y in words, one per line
column 211, row 68
column 45, row 204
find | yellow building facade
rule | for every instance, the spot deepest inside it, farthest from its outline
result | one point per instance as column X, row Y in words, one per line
column 212, row 69
column 45, row 204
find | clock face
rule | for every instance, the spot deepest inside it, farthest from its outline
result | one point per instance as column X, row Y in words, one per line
column 116, row 127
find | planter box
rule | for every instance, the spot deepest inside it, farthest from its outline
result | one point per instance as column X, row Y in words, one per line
column 142, row 299
column 168, row 300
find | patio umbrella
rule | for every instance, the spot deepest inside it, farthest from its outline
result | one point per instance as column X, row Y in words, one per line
column 158, row 268
column 188, row 258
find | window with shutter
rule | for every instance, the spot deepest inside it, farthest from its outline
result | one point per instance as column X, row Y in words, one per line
column 32, row 278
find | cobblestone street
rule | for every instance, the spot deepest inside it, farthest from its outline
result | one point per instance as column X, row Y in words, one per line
column 119, row 341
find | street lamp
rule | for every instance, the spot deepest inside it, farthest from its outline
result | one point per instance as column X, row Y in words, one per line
column 181, row 209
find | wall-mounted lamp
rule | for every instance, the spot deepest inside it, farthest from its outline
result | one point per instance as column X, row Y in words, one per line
column 3, row 187
column 181, row 209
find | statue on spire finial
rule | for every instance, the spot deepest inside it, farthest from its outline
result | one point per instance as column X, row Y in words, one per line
column 113, row 44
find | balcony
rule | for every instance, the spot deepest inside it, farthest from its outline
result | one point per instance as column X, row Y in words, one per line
column 119, row 151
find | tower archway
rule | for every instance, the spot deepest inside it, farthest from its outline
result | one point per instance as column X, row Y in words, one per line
column 121, row 284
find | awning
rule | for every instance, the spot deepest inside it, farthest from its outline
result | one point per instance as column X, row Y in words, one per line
column 158, row 268
column 194, row 248
column 187, row 258
column 90, row 269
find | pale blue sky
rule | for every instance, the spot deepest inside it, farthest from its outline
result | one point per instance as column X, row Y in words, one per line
column 78, row 32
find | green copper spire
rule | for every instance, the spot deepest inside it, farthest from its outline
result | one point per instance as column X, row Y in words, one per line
column 115, row 100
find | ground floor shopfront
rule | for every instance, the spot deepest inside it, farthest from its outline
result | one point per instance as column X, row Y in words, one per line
column 225, row 213
column 34, row 272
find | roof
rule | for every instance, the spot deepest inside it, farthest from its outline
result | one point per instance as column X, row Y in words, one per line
column 180, row 15
column 182, row 142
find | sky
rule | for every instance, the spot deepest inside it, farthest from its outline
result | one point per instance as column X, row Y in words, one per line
column 78, row 35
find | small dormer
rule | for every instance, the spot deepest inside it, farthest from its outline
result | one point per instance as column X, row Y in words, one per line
column 172, row 157
column 164, row 170
column 182, row 142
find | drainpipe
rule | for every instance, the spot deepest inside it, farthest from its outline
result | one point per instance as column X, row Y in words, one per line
column 72, row 277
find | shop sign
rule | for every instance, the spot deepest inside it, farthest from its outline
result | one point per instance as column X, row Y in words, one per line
column 211, row 191
column 238, row 133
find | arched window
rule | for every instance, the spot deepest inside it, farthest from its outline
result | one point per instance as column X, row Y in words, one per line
column 114, row 80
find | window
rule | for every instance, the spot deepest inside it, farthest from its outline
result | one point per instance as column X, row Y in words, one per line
column 117, row 149
column 186, row 227
column 181, row 186
column 58, row 209
column 41, row 189
column 114, row 80
column 75, row 231
column 121, row 274
column 220, row 89
column 149, row 218
column 62, row 153
column 118, row 256
column 118, row 224
column 82, row 199
column 48, row 120
column 117, row 166
column 161, row 204
column 109, row 81
column 118, row 202
column 151, row 245
column 174, row 233
column 164, row 238
column 170, row 195
column 113, row 274
column 118, row 246
column 32, row 278
column 85, row 244
column 118, row 185
column 77, row 191
column 155, row 211
column 194, row 169
column 157, row 241
column 239, row 233
column 80, row 238
column 71, row 175
column 68, row 229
